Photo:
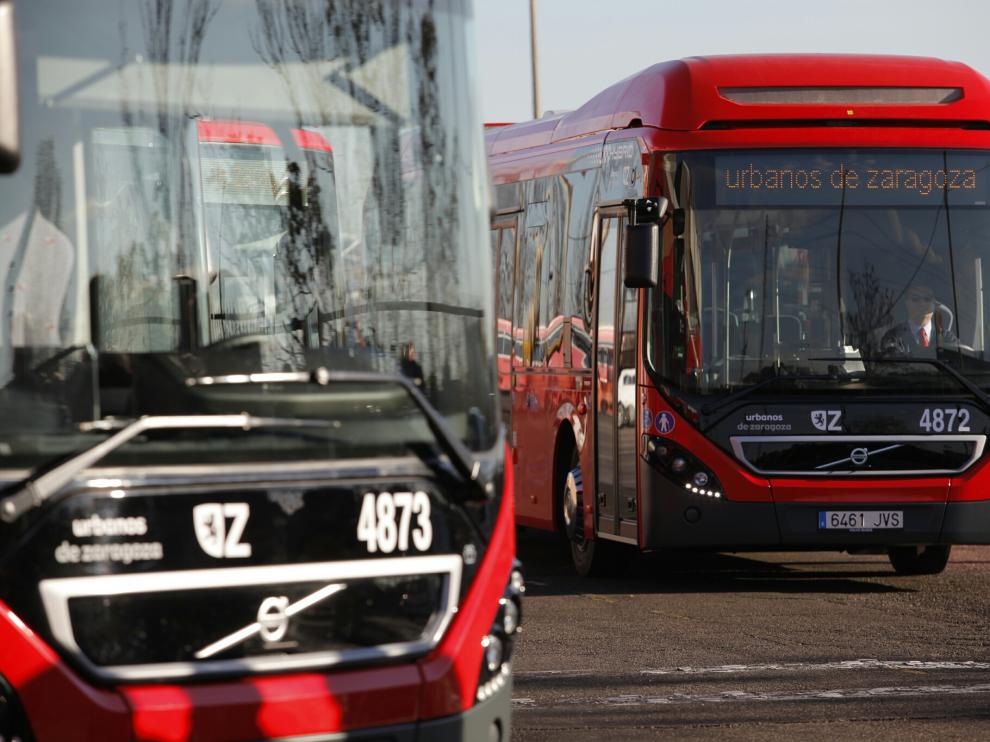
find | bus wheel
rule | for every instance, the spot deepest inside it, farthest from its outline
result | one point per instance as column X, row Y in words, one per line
column 591, row 558
column 919, row 560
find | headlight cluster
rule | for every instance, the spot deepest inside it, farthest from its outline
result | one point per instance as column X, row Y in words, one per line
column 682, row 467
column 498, row 643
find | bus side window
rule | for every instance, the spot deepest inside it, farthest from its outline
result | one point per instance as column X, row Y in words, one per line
column 552, row 276
column 577, row 287
column 505, row 270
column 528, row 284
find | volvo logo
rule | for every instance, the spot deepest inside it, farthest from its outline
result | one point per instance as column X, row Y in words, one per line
column 858, row 456
column 272, row 618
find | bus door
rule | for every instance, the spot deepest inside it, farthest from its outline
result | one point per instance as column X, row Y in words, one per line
column 615, row 409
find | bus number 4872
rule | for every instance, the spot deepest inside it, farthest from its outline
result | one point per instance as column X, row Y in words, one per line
column 947, row 420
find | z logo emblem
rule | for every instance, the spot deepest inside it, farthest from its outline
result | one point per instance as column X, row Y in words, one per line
column 215, row 537
column 827, row 420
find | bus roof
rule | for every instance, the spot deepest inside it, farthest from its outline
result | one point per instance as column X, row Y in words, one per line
column 746, row 91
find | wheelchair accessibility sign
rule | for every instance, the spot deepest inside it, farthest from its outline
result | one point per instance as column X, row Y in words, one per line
column 665, row 423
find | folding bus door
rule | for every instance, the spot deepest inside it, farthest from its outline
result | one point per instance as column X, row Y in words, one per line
column 615, row 445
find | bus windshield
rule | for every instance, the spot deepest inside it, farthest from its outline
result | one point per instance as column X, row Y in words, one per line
column 835, row 267
column 240, row 187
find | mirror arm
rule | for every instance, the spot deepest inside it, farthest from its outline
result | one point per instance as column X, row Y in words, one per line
column 646, row 210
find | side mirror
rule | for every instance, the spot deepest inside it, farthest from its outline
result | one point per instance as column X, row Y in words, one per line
column 641, row 246
column 641, row 255
column 10, row 146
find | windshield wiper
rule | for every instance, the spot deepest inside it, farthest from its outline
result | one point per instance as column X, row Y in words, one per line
column 36, row 490
column 982, row 397
column 465, row 464
column 721, row 403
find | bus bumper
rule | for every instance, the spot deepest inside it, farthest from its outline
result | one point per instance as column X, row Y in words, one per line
column 397, row 702
column 674, row 518
column 486, row 722
column 967, row 523
column 94, row 714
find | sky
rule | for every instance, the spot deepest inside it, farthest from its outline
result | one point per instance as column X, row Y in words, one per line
column 585, row 46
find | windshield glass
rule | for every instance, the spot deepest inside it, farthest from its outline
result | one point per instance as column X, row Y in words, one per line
column 214, row 187
column 840, row 265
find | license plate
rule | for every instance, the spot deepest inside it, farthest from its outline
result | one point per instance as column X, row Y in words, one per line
column 860, row 520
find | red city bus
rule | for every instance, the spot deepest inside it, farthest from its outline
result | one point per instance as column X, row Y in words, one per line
column 235, row 503
column 784, row 256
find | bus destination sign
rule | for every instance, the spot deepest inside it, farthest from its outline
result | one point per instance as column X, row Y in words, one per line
column 855, row 179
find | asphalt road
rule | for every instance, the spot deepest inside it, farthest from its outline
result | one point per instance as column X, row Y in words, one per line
column 752, row 646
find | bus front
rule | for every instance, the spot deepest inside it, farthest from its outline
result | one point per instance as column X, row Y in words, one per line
column 253, row 484
column 820, row 329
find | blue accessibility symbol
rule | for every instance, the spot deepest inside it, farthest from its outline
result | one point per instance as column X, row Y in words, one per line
column 665, row 423
column 647, row 419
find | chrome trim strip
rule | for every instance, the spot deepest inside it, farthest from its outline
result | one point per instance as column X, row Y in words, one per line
column 56, row 593
column 613, row 537
column 270, row 377
column 201, row 476
column 322, row 472
column 737, row 442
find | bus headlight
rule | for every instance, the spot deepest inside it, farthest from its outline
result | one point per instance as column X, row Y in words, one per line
column 510, row 616
column 494, row 651
column 500, row 640
column 682, row 467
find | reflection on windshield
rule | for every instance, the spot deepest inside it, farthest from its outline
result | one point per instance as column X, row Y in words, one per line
column 235, row 186
column 809, row 263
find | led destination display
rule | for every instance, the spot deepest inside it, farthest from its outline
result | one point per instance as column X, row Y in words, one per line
column 852, row 178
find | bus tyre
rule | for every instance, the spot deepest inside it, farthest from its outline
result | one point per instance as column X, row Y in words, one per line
column 599, row 558
column 592, row 558
column 919, row 560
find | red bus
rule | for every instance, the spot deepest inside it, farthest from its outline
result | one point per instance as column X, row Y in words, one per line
column 253, row 479
column 783, row 256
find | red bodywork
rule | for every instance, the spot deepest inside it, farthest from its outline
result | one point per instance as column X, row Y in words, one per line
column 63, row 706
column 681, row 106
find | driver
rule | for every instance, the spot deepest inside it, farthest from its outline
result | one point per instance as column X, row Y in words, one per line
column 925, row 329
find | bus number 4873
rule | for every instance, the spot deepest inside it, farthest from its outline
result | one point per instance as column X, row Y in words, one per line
column 386, row 521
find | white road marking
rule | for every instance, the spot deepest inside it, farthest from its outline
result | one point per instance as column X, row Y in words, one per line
column 866, row 664
column 863, row 664
column 736, row 696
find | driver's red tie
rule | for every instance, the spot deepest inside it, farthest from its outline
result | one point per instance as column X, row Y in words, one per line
column 923, row 337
